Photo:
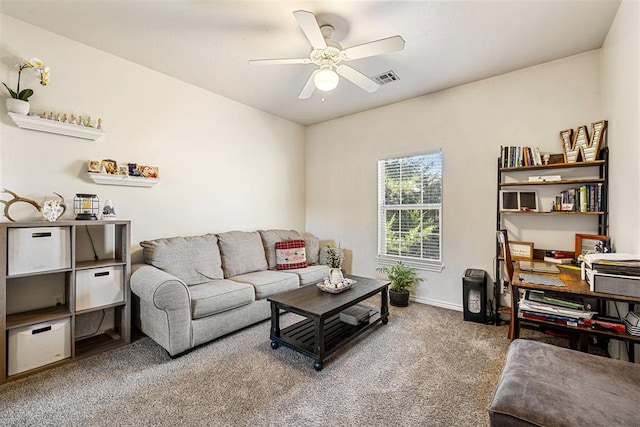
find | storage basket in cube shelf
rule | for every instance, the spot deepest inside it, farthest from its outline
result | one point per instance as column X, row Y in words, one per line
column 31, row 250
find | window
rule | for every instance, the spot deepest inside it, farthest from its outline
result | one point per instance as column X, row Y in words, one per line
column 410, row 209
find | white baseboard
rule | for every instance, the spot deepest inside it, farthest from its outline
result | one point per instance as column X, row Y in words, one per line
column 437, row 303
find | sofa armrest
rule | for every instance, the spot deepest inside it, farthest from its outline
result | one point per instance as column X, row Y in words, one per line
column 165, row 307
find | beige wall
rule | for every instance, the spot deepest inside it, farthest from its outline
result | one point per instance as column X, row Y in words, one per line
column 527, row 107
column 223, row 165
column 621, row 93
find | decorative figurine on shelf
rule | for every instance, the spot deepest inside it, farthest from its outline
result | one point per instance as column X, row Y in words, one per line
column 44, row 115
column 88, row 122
column 99, row 123
column 72, row 120
column 546, row 158
column 108, row 212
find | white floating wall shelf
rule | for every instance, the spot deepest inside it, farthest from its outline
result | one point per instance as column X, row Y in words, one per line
column 44, row 125
column 128, row 181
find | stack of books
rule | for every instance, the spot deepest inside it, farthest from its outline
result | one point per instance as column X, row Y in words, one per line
column 586, row 198
column 559, row 257
column 512, row 156
column 355, row 315
column 536, row 305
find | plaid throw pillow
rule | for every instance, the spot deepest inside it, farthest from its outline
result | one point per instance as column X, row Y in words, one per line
column 290, row 254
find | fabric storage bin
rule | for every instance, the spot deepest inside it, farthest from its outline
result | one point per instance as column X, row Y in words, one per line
column 98, row 286
column 37, row 249
column 37, row 345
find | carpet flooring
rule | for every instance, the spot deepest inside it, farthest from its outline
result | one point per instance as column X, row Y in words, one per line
column 426, row 367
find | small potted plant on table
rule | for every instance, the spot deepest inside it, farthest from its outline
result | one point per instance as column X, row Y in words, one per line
column 402, row 278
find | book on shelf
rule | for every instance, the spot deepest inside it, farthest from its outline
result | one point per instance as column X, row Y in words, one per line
column 549, row 309
column 559, row 254
column 542, row 297
column 558, row 260
column 564, row 321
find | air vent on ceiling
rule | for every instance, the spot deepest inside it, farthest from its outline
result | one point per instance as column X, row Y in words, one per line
column 384, row 78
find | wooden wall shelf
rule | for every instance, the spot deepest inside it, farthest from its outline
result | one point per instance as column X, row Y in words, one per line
column 24, row 121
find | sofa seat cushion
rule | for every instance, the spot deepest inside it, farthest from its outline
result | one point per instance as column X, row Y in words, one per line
column 267, row 283
column 241, row 252
column 545, row 385
column 194, row 259
column 269, row 240
column 218, row 296
column 312, row 274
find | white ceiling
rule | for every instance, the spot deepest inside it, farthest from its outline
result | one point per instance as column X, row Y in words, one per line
column 207, row 43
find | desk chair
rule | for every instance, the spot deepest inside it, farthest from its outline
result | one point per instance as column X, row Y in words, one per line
column 503, row 239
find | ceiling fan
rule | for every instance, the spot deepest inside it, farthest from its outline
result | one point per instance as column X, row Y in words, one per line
column 329, row 55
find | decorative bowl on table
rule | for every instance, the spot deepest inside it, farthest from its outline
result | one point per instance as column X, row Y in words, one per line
column 336, row 288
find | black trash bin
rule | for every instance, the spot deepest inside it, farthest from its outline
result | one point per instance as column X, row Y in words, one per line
column 474, row 295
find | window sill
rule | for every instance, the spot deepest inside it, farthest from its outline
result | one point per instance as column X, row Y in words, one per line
column 418, row 265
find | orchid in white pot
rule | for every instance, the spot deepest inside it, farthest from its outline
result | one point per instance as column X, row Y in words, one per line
column 19, row 101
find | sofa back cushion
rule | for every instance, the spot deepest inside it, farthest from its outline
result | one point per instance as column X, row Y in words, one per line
column 194, row 259
column 269, row 240
column 241, row 252
column 312, row 245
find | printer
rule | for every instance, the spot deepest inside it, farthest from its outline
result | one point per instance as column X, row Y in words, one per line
column 612, row 273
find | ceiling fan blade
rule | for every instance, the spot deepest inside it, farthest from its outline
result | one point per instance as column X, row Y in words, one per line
column 309, row 87
column 378, row 47
column 309, row 25
column 279, row 61
column 357, row 78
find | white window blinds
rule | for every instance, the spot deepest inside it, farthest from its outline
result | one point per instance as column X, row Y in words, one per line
column 410, row 207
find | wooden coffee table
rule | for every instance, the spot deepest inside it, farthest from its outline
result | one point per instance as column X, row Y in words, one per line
column 322, row 333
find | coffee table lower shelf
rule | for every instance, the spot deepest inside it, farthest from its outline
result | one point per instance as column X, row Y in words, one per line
column 301, row 336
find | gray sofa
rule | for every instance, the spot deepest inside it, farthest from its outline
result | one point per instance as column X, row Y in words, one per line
column 191, row 290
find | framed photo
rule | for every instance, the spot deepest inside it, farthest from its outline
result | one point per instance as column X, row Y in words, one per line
column 518, row 201
column 590, row 244
column 148, row 171
column 110, row 166
column 123, row 170
column 93, row 166
column 521, row 250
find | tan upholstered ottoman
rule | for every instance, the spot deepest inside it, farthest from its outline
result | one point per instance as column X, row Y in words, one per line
column 546, row 385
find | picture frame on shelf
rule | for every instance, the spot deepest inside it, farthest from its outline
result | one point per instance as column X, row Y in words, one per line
column 518, row 201
column 93, row 166
column 111, row 166
column 590, row 244
column 519, row 251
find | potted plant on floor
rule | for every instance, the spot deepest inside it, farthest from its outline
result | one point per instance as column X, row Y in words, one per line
column 402, row 278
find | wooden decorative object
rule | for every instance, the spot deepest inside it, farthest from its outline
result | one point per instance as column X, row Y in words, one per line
column 590, row 243
column 16, row 198
column 578, row 146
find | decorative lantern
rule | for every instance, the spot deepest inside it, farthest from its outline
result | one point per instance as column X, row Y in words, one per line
column 85, row 206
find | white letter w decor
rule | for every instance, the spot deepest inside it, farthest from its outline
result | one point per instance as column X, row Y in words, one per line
column 580, row 146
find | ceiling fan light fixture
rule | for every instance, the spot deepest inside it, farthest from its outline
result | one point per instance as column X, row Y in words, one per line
column 326, row 79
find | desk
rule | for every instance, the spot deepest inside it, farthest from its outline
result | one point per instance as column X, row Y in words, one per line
column 574, row 287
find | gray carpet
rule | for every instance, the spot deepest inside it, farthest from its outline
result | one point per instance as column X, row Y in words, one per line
column 426, row 367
